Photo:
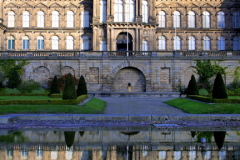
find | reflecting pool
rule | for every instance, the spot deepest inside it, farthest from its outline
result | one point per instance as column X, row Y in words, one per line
column 148, row 144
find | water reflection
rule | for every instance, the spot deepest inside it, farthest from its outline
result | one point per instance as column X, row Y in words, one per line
column 120, row 145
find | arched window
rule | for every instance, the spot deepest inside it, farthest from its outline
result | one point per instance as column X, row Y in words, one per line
column 70, row 42
column 177, row 155
column 236, row 43
column 177, row 43
column 206, row 43
column 176, row 19
column 103, row 11
column 24, row 155
column 162, row 19
column 25, row 44
column 162, row 155
column 206, row 19
column 85, row 19
column 191, row 43
column 130, row 11
column 55, row 42
column 221, row 43
column 145, row 11
column 118, row 11
column 55, row 19
column 40, row 42
column 145, row 47
column 26, row 19
column 40, row 22
column 70, row 19
column 162, row 43
column 191, row 19
column 236, row 20
column 85, row 44
column 11, row 42
column 103, row 46
column 221, row 20
column 11, row 19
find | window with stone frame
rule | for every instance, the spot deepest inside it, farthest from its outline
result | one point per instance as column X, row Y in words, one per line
column 26, row 19
column 118, row 11
column 103, row 11
column 40, row 42
column 162, row 43
column 145, row 11
column 130, row 11
column 191, row 19
column 221, row 19
column 145, row 47
column 11, row 42
column 177, row 43
column 103, row 46
column 191, row 43
column 176, row 19
column 70, row 43
column 25, row 42
column 55, row 42
column 221, row 43
column 206, row 19
column 162, row 19
column 55, row 19
column 85, row 44
column 70, row 19
column 40, row 19
column 236, row 20
column 236, row 43
column 85, row 19
column 11, row 19
column 206, row 43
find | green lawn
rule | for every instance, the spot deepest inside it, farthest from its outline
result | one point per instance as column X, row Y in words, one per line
column 27, row 98
column 93, row 106
column 233, row 97
column 194, row 107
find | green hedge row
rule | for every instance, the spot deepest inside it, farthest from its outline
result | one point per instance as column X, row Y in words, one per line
column 55, row 95
column 45, row 102
column 211, row 100
column 24, row 94
column 236, row 94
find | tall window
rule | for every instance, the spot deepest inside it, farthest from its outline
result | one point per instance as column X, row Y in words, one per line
column 25, row 44
column 236, row 20
column 145, row 11
column 177, row 43
column 206, row 43
column 236, row 43
column 11, row 42
column 162, row 19
column 24, row 155
column 221, row 43
column 55, row 19
column 55, row 42
column 191, row 19
column 70, row 19
column 40, row 42
column 11, row 19
column 130, row 11
column 118, row 11
column 145, row 47
column 176, row 19
column 162, row 43
column 85, row 44
column 103, row 11
column 191, row 43
column 221, row 20
column 26, row 19
column 206, row 19
column 85, row 19
column 103, row 46
column 40, row 22
column 70, row 42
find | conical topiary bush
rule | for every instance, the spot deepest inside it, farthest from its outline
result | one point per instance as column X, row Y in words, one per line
column 192, row 87
column 55, row 88
column 82, row 88
column 219, row 90
column 69, row 90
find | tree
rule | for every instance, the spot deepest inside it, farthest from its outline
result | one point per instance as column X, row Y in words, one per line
column 82, row 88
column 192, row 87
column 219, row 90
column 69, row 90
column 55, row 89
column 14, row 79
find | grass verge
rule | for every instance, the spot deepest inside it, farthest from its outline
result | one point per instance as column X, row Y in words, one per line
column 94, row 106
column 27, row 98
column 194, row 107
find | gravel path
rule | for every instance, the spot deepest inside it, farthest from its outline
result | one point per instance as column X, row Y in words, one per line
column 139, row 106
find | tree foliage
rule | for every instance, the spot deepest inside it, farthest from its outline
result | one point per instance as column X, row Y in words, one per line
column 219, row 90
column 192, row 87
column 82, row 88
column 69, row 90
column 55, row 89
column 14, row 79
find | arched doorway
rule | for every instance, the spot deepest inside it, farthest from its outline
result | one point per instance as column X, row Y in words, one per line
column 129, row 75
column 122, row 42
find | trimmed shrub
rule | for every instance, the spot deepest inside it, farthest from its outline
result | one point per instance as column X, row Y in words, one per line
column 219, row 90
column 38, row 91
column 82, row 88
column 55, row 89
column 56, row 96
column 28, row 86
column 11, row 91
column 69, row 90
column 14, row 79
column 203, row 92
column 192, row 87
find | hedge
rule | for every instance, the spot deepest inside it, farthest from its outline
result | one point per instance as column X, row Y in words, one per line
column 211, row 100
column 24, row 94
column 45, row 102
column 56, row 95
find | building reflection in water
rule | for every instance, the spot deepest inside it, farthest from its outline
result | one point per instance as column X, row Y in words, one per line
column 115, row 145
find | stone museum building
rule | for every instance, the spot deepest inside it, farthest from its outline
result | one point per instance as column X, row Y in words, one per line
column 93, row 37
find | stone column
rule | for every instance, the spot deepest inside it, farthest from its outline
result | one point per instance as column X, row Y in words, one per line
column 108, row 39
